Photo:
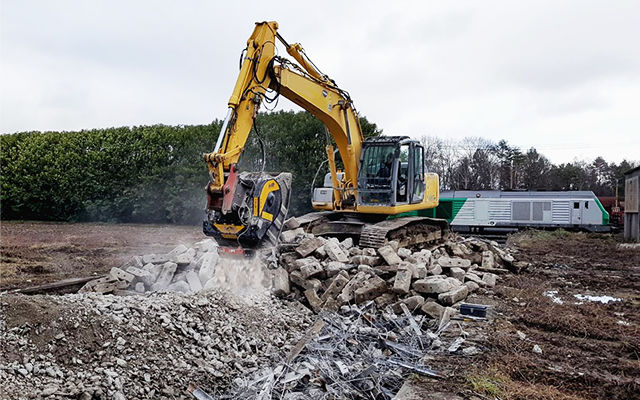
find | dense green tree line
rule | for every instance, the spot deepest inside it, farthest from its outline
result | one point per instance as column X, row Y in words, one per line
column 146, row 173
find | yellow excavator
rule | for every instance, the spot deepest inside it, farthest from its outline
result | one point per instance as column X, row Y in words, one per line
column 377, row 197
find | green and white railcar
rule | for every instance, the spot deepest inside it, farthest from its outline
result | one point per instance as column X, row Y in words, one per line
column 468, row 210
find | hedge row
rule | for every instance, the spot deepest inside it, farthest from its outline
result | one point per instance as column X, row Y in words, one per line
column 146, row 173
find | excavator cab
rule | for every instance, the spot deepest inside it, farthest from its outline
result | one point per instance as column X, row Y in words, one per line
column 391, row 172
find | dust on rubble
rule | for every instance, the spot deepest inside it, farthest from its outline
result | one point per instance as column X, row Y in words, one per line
column 246, row 276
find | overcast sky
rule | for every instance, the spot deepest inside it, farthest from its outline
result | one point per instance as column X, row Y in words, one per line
column 561, row 76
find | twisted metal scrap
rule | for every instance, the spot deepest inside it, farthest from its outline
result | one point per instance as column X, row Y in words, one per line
column 360, row 353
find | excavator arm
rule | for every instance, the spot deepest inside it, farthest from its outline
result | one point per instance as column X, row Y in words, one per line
column 247, row 206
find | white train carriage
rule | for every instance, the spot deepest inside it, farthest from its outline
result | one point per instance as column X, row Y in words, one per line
column 468, row 210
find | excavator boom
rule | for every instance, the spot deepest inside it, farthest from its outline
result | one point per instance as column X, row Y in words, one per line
column 250, row 207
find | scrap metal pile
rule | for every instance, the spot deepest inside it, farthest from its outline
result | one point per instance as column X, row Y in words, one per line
column 359, row 352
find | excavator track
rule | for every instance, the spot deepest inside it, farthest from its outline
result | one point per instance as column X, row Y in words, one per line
column 408, row 231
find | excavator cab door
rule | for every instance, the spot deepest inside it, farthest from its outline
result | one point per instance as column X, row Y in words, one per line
column 391, row 172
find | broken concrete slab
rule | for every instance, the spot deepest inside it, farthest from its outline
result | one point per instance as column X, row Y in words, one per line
column 314, row 300
column 280, row 282
column 335, row 288
column 457, row 273
column 389, row 255
column 432, row 309
column 195, row 284
column 372, row 288
column 402, row 282
column 489, row 279
column 155, row 258
column 453, row 296
column 165, row 277
column 432, row 285
column 448, row 262
column 118, row 274
column 335, row 252
column 311, row 269
column 309, row 245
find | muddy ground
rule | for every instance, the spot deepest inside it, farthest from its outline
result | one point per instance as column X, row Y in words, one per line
column 37, row 252
column 589, row 350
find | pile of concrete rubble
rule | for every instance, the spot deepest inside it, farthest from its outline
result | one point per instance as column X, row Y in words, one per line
column 184, row 269
column 92, row 346
column 327, row 273
column 323, row 273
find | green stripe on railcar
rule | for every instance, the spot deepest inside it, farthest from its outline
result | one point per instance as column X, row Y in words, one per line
column 447, row 209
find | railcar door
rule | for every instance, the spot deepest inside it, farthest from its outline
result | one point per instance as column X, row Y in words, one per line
column 576, row 213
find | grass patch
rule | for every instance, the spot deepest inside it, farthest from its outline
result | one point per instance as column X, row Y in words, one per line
column 491, row 384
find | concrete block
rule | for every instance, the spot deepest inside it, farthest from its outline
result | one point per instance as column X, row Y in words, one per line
column 432, row 285
column 385, row 299
column 335, row 288
column 435, row 269
column 371, row 261
column 453, row 296
column 165, row 276
column 471, row 277
column 355, row 251
column 394, row 244
column 413, row 302
column 489, row 279
column 347, row 293
column 181, row 286
column 403, row 253
column 333, row 268
column 117, row 273
column 432, row 309
column 335, row 252
column 309, row 245
column 346, row 244
column 402, row 282
column 280, row 282
column 155, row 258
column 472, row 286
column 138, row 272
column 389, row 255
column 208, row 266
column 288, row 236
column 366, row 269
column 182, row 259
column 454, row 262
column 488, row 259
column 207, row 245
column 310, row 270
column 368, row 251
column 287, row 260
column 301, row 262
column 457, row 273
column 314, row 300
column 291, row 223
column 371, row 289
column 320, row 253
column 453, row 281
column 140, row 287
column 195, row 284
column 178, row 250
column 296, row 278
column 419, row 271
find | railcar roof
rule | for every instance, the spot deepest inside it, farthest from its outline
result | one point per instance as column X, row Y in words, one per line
column 574, row 194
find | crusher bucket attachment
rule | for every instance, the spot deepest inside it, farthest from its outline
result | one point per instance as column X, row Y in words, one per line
column 251, row 210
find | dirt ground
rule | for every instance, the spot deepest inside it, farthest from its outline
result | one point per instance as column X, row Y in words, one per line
column 587, row 349
column 37, row 252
